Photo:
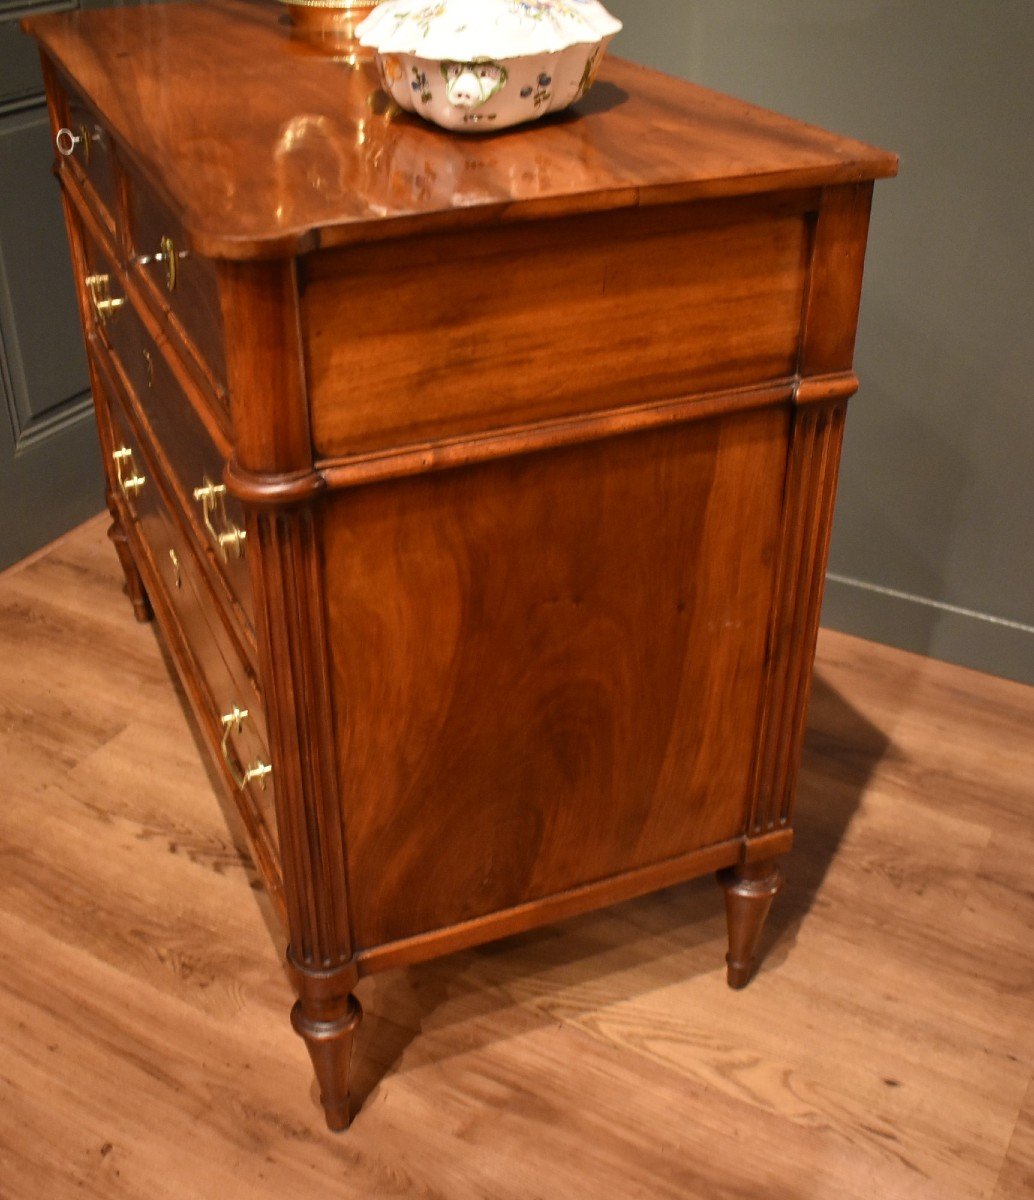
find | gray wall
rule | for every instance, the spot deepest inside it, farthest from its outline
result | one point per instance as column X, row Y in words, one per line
column 50, row 468
column 933, row 548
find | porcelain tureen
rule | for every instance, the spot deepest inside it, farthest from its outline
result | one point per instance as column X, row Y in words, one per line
column 481, row 65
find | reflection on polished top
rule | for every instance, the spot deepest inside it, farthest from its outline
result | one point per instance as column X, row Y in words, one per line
column 265, row 146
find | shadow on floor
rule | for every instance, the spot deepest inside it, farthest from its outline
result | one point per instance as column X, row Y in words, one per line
column 841, row 752
column 599, row 952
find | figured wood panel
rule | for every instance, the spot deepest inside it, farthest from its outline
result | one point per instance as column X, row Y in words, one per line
column 546, row 670
column 410, row 341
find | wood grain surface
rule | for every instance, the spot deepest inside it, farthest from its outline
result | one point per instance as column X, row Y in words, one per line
column 454, row 335
column 507, row 691
column 317, row 156
column 885, row 1049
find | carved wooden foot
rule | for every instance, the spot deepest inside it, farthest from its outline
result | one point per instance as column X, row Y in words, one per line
column 749, row 891
column 134, row 584
column 329, row 1031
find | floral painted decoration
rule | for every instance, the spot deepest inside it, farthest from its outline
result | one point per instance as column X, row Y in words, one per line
column 478, row 65
column 466, row 30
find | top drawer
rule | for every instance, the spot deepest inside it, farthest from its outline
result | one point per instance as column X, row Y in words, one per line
column 86, row 145
column 180, row 288
column 182, row 285
column 476, row 331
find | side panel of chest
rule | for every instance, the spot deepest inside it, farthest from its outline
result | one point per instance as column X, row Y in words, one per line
column 547, row 669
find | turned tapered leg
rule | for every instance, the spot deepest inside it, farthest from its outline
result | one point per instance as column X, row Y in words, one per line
column 134, row 584
column 749, row 891
column 329, row 1032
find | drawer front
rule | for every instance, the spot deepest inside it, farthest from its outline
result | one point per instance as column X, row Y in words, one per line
column 230, row 699
column 85, row 143
column 193, row 458
column 182, row 284
column 464, row 333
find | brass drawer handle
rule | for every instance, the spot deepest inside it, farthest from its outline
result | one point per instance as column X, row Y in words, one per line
column 233, row 722
column 104, row 305
column 66, row 142
column 129, row 481
column 212, row 496
column 168, row 254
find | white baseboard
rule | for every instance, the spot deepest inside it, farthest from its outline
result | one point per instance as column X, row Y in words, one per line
column 945, row 631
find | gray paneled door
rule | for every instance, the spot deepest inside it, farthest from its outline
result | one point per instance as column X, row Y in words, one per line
column 50, row 474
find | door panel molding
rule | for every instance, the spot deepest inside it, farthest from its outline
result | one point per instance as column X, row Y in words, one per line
column 50, row 476
column 43, row 367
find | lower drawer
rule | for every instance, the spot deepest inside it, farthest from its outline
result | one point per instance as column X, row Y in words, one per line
column 220, row 683
column 190, row 455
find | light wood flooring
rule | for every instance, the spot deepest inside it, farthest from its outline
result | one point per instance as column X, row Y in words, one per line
column 885, row 1050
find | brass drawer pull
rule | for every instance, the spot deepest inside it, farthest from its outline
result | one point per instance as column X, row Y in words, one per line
column 104, row 305
column 66, row 142
column 168, row 254
column 233, row 722
column 212, row 496
column 129, row 481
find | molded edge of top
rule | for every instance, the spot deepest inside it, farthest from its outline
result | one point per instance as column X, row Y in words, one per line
column 214, row 240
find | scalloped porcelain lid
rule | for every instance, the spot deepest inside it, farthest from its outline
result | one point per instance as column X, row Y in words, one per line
column 469, row 29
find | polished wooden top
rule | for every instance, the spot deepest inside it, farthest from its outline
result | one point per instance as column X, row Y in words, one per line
column 265, row 146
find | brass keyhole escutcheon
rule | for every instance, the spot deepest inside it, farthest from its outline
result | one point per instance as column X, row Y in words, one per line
column 177, row 577
column 167, row 254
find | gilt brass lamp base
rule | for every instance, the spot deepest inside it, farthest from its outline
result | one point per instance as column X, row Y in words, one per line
column 330, row 25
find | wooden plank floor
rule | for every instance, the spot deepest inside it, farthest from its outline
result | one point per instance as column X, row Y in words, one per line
column 884, row 1050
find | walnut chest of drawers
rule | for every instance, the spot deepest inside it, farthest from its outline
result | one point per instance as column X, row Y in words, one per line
column 480, row 487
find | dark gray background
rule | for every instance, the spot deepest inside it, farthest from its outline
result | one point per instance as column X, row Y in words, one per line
column 933, row 548
column 50, row 476
column 50, row 473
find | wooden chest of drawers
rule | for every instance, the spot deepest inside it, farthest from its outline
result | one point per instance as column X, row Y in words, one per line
column 481, row 488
